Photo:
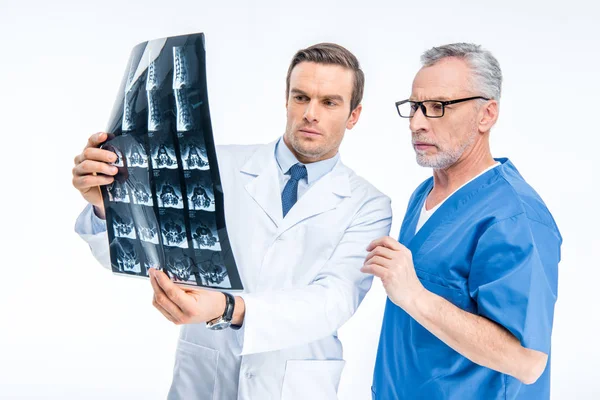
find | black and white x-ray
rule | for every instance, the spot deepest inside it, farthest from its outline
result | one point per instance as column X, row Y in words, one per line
column 135, row 153
column 211, row 270
column 164, row 209
column 199, row 190
column 151, row 252
column 193, row 152
column 168, row 189
column 141, row 191
column 118, row 192
column 127, row 256
column 173, row 228
column 162, row 148
column 181, row 265
column 204, row 231
column 122, row 222
column 146, row 224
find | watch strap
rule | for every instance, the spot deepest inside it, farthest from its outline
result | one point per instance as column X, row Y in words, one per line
column 229, row 307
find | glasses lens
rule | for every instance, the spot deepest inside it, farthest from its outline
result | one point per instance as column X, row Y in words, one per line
column 406, row 109
column 434, row 108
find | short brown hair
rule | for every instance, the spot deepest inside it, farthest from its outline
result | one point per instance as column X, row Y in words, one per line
column 333, row 54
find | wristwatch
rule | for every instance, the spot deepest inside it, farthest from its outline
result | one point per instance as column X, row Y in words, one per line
column 224, row 321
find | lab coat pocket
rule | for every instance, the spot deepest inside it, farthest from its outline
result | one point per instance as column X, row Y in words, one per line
column 312, row 379
column 195, row 372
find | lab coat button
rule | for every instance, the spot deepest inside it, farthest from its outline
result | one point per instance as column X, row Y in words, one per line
column 249, row 375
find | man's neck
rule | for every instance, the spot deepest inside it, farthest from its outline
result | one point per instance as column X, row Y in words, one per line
column 307, row 159
column 447, row 181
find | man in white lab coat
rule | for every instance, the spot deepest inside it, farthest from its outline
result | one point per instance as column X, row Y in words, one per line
column 299, row 222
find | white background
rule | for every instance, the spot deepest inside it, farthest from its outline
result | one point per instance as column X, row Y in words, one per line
column 71, row 330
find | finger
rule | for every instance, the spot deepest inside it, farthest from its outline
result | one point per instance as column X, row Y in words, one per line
column 89, row 181
column 376, row 270
column 94, row 154
column 384, row 262
column 88, row 167
column 163, row 299
column 97, row 139
column 173, row 292
column 385, row 241
column 382, row 252
column 163, row 311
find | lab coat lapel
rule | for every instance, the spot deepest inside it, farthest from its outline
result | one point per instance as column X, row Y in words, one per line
column 322, row 196
column 265, row 187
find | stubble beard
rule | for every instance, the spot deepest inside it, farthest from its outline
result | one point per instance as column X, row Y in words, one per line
column 444, row 157
column 300, row 146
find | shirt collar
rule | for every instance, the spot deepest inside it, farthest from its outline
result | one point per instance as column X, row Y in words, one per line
column 315, row 171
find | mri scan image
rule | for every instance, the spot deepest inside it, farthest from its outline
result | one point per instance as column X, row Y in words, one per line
column 127, row 255
column 118, row 192
column 172, row 227
column 139, row 186
column 199, row 191
column 193, row 153
column 136, row 155
column 168, row 190
column 211, row 269
column 204, row 231
column 162, row 210
column 123, row 226
column 180, row 265
column 163, row 155
column 151, row 256
column 155, row 111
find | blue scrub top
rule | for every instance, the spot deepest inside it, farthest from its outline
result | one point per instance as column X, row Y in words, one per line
column 491, row 249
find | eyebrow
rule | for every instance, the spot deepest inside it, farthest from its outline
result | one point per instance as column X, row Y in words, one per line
column 327, row 96
column 437, row 98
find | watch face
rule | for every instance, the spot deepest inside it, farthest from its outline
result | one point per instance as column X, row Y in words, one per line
column 219, row 325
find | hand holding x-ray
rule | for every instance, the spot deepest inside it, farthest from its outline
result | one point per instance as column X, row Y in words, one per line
column 184, row 306
column 92, row 170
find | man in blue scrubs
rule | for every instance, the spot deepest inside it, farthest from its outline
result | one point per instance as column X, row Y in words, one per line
column 472, row 280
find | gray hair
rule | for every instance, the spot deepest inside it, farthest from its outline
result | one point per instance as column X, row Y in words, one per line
column 486, row 69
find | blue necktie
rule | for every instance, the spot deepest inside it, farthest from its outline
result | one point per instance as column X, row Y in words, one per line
column 290, row 191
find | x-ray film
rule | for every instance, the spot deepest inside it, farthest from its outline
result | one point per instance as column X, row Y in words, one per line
column 165, row 208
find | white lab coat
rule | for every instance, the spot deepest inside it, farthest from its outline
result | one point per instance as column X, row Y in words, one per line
column 301, row 276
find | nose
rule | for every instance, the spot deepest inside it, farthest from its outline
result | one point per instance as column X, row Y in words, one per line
column 419, row 122
column 311, row 111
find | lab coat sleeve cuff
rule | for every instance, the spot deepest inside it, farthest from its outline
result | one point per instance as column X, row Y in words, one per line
column 93, row 231
column 268, row 324
column 247, row 339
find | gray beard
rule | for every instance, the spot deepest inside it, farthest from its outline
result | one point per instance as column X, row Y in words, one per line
column 445, row 158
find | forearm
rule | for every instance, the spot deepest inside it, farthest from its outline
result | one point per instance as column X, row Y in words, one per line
column 289, row 318
column 477, row 338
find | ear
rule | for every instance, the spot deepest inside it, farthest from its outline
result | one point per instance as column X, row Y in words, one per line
column 488, row 115
column 354, row 115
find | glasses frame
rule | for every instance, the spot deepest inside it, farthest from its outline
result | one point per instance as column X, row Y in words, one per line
column 421, row 105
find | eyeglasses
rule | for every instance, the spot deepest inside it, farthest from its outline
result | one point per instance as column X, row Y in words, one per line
column 429, row 108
